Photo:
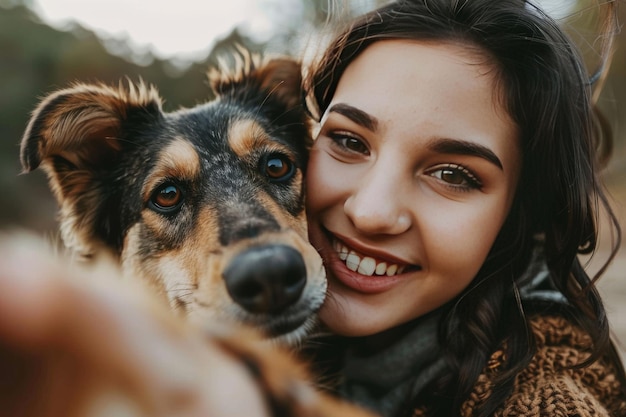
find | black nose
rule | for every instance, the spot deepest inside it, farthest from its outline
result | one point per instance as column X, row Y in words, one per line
column 266, row 279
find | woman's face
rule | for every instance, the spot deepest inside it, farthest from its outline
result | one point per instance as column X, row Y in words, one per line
column 409, row 182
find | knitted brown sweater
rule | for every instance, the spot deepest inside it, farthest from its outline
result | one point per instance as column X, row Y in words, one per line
column 548, row 387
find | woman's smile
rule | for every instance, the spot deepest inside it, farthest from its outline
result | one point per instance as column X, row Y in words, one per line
column 366, row 265
column 365, row 270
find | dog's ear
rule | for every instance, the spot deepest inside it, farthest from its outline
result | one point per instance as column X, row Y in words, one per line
column 77, row 135
column 277, row 79
column 282, row 77
column 82, row 124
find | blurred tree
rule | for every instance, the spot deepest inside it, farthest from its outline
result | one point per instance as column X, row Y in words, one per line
column 581, row 23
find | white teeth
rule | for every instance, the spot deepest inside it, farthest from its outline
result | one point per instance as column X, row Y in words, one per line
column 342, row 251
column 352, row 261
column 381, row 268
column 365, row 265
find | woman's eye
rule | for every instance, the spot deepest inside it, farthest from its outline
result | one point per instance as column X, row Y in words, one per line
column 349, row 142
column 166, row 198
column 278, row 168
column 456, row 175
column 452, row 176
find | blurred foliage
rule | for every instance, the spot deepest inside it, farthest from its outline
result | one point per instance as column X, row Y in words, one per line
column 36, row 59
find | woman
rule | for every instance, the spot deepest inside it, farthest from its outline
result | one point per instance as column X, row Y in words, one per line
column 451, row 188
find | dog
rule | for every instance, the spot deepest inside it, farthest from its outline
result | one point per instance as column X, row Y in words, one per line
column 205, row 207
column 205, row 204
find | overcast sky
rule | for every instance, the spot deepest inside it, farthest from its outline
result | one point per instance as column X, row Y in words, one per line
column 184, row 28
column 180, row 28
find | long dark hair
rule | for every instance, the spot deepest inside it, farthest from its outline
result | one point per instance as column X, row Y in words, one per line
column 548, row 92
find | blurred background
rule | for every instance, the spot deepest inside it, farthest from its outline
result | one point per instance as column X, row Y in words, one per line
column 46, row 44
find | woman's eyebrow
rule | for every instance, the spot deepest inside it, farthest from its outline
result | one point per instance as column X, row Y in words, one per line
column 357, row 116
column 462, row 147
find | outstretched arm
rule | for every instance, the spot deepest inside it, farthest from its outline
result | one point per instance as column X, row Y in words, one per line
column 92, row 347
column 82, row 343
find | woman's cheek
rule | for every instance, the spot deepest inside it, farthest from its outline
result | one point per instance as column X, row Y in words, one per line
column 321, row 180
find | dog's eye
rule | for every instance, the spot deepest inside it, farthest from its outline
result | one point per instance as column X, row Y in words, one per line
column 166, row 198
column 278, row 168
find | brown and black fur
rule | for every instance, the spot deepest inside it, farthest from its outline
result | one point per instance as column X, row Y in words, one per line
column 204, row 204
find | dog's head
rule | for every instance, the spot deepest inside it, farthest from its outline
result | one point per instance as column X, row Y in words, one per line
column 205, row 204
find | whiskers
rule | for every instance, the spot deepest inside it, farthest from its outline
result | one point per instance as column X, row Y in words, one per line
column 181, row 295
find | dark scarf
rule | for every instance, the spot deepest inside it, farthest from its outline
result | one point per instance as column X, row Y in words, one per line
column 385, row 380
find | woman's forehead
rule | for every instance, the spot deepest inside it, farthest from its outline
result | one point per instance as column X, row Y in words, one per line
column 425, row 91
column 409, row 76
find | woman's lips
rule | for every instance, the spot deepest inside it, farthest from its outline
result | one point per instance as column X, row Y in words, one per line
column 366, row 265
column 364, row 272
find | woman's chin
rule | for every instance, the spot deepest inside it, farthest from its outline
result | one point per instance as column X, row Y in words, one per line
column 348, row 315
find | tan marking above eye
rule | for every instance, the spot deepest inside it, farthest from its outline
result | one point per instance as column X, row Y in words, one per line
column 245, row 136
column 178, row 160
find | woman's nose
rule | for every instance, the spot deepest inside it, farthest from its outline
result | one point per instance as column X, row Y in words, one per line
column 377, row 205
